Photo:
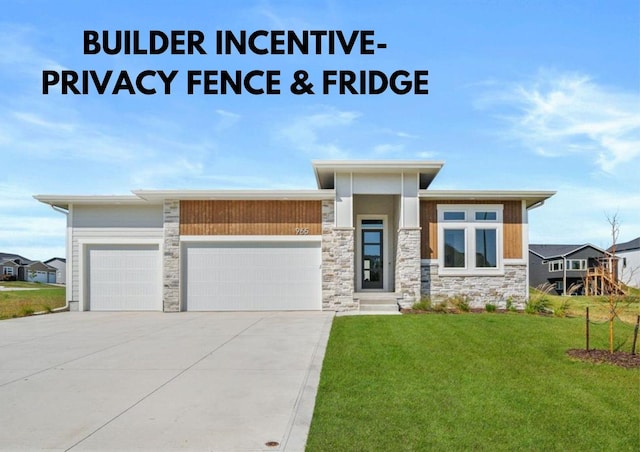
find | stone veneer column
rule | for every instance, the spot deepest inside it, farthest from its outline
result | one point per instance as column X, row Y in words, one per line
column 338, row 263
column 171, row 257
column 408, row 277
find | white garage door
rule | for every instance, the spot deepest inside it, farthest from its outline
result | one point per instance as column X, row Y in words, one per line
column 252, row 276
column 124, row 278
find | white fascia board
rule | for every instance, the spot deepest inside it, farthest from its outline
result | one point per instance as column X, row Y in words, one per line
column 532, row 197
column 161, row 195
column 64, row 201
column 325, row 169
column 377, row 166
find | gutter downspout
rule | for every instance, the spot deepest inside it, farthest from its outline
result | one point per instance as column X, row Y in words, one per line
column 66, row 299
column 564, row 276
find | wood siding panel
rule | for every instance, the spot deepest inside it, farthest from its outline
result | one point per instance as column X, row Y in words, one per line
column 512, row 230
column 429, row 225
column 250, row 217
column 512, row 233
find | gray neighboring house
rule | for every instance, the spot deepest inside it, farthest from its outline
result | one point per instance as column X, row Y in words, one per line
column 563, row 266
column 23, row 269
column 629, row 268
column 60, row 264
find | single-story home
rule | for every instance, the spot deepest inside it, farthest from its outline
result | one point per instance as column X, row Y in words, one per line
column 60, row 264
column 372, row 232
column 18, row 268
column 629, row 267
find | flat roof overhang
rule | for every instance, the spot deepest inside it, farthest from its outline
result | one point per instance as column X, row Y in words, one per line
column 325, row 170
column 533, row 198
column 157, row 197
column 203, row 195
column 64, row 201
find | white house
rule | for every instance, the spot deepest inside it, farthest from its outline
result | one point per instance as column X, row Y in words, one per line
column 629, row 266
column 372, row 231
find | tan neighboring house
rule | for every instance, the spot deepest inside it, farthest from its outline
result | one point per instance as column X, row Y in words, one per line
column 18, row 268
column 371, row 233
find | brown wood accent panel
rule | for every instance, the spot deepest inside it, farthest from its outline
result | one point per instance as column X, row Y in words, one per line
column 235, row 217
column 429, row 225
column 512, row 230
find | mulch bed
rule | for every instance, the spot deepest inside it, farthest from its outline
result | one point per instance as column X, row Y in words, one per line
column 621, row 359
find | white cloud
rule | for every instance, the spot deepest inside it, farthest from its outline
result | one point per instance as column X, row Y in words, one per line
column 557, row 114
column 382, row 149
column 317, row 133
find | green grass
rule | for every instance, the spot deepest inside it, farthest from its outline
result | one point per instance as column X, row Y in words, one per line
column 25, row 302
column 629, row 307
column 471, row 382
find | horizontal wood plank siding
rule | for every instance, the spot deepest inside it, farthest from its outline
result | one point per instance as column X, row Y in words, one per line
column 512, row 231
column 250, row 217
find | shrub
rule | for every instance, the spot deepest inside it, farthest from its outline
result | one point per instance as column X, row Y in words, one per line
column 490, row 307
column 7, row 278
column 563, row 309
column 539, row 304
column 510, row 306
column 423, row 305
column 441, row 307
column 460, row 302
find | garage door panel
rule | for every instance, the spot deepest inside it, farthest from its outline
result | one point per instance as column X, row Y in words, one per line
column 253, row 276
column 124, row 278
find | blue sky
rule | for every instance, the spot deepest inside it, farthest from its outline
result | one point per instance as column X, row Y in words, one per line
column 522, row 95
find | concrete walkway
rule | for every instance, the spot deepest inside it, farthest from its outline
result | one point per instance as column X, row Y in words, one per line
column 154, row 381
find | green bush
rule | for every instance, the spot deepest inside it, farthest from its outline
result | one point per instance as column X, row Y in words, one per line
column 423, row 305
column 490, row 307
column 539, row 304
column 460, row 302
column 563, row 309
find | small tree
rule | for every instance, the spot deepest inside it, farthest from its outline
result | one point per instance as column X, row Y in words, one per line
column 616, row 295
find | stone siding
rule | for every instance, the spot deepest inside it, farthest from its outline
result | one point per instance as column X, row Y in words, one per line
column 480, row 290
column 171, row 257
column 407, row 275
column 337, row 263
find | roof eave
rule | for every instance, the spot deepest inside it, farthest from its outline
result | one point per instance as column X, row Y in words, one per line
column 533, row 198
column 161, row 195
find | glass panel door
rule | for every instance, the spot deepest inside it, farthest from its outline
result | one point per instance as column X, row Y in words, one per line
column 372, row 258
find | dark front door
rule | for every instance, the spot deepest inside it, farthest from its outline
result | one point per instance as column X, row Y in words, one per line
column 372, row 259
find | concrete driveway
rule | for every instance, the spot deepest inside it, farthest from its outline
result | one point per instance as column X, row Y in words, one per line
column 155, row 381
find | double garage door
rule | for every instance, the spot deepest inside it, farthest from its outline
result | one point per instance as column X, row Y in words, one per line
column 215, row 276
column 251, row 276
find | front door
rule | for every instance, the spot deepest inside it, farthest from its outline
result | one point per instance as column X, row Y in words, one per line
column 372, row 256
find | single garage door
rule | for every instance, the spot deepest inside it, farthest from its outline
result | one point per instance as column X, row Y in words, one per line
column 252, row 276
column 124, row 278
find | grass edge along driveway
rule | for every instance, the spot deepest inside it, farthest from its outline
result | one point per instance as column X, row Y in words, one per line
column 460, row 382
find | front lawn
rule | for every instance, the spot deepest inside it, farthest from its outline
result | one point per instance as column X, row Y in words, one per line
column 471, row 382
column 19, row 303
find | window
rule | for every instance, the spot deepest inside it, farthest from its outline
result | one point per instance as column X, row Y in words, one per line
column 454, row 216
column 559, row 286
column 556, row 266
column 454, row 248
column 7, row 271
column 576, row 264
column 470, row 238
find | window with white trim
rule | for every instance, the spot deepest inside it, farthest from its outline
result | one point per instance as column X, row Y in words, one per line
column 576, row 264
column 470, row 238
column 7, row 271
column 556, row 266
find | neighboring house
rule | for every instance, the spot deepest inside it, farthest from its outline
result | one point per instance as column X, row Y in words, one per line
column 372, row 230
column 629, row 267
column 563, row 266
column 60, row 264
column 23, row 269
